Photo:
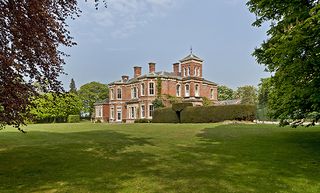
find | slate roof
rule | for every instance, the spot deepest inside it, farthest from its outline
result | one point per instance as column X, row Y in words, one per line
column 191, row 57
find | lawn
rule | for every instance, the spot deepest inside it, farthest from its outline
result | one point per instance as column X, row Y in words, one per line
column 160, row 158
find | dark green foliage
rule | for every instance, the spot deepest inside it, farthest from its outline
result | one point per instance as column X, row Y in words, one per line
column 180, row 106
column 291, row 53
column 157, row 103
column 159, row 87
column 91, row 93
column 73, row 118
column 165, row 115
column 142, row 121
column 218, row 113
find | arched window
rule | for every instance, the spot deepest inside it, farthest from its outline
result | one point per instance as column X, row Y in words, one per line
column 212, row 93
column 197, row 90
column 184, row 71
column 199, row 72
column 187, row 90
column 188, row 71
column 195, row 71
column 178, row 90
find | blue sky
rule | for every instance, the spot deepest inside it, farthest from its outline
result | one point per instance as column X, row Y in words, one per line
column 134, row 32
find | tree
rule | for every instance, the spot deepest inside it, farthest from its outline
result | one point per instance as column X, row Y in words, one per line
column 225, row 93
column 51, row 106
column 31, row 33
column 247, row 94
column 72, row 86
column 291, row 52
column 91, row 93
column 157, row 103
column 264, row 94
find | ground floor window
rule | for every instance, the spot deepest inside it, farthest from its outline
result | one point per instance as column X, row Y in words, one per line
column 142, row 111
column 111, row 113
column 132, row 113
column 150, row 111
column 119, row 114
column 98, row 111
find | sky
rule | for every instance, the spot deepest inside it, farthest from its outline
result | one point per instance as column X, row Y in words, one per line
column 128, row 33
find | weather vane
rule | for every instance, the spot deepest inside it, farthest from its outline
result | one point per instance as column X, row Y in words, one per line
column 191, row 50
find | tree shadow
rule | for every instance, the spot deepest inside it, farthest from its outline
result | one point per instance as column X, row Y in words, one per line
column 93, row 161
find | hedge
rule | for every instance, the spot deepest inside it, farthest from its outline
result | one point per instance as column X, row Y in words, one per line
column 180, row 106
column 73, row 118
column 164, row 115
column 218, row 113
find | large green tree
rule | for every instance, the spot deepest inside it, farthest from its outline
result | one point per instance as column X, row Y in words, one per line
column 225, row 93
column 291, row 53
column 51, row 106
column 91, row 93
column 32, row 33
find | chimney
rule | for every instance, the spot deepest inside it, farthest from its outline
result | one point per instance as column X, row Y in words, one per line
column 137, row 71
column 176, row 69
column 152, row 67
column 125, row 78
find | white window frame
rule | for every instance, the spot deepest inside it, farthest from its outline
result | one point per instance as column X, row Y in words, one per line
column 111, row 94
column 197, row 90
column 199, row 72
column 119, row 109
column 99, row 111
column 153, row 89
column 134, row 93
column 195, row 71
column 132, row 112
column 112, row 113
column 188, row 70
column 142, row 110
column 142, row 89
column 178, row 90
column 185, row 71
column 212, row 93
column 118, row 93
column 187, row 94
column 150, row 113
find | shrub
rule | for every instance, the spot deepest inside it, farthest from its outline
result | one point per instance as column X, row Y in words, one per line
column 180, row 106
column 142, row 121
column 165, row 115
column 73, row 118
column 218, row 113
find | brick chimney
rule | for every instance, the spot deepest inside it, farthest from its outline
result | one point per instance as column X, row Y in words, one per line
column 176, row 69
column 152, row 67
column 137, row 71
column 125, row 78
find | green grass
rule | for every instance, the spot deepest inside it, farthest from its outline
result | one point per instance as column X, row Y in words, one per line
column 165, row 158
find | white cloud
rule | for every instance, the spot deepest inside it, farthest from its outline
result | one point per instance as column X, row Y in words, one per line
column 122, row 17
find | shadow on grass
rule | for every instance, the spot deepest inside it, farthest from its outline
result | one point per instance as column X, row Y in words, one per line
column 88, row 161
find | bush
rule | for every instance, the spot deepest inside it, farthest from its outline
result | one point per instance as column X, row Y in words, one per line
column 142, row 121
column 180, row 106
column 73, row 118
column 165, row 115
column 218, row 113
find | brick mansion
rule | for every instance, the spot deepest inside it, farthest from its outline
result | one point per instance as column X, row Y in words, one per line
column 131, row 98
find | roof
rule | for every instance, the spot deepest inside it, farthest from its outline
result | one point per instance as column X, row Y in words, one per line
column 209, row 82
column 102, row 102
column 191, row 57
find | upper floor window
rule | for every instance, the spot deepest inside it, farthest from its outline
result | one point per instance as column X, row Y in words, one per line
column 184, row 71
column 178, row 90
column 197, row 90
column 199, row 72
column 134, row 93
column 119, row 93
column 211, row 93
column 151, row 88
column 195, row 71
column 142, row 111
column 142, row 89
column 111, row 94
column 187, row 90
column 188, row 71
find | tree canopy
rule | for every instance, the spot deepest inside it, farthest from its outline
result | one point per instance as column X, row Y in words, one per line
column 247, row 94
column 91, row 93
column 31, row 35
column 291, row 53
column 72, row 86
column 225, row 93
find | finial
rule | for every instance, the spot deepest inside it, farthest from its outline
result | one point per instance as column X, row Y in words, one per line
column 191, row 50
